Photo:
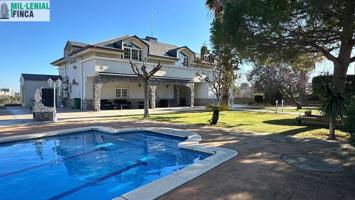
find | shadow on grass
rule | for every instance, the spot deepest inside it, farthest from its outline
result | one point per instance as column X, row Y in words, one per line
column 292, row 122
column 226, row 125
column 298, row 130
column 173, row 119
column 165, row 119
column 283, row 122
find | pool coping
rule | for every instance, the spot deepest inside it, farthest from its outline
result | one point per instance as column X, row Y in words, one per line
column 167, row 183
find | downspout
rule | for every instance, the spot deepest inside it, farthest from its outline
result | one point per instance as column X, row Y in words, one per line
column 82, row 85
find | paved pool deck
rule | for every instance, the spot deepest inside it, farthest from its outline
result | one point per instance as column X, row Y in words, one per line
column 17, row 115
column 258, row 172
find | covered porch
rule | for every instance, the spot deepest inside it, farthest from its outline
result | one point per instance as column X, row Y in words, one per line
column 125, row 91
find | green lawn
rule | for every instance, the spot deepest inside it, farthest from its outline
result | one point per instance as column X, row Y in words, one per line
column 314, row 110
column 272, row 123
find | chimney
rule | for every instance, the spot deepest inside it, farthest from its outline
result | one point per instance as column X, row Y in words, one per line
column 151, row 39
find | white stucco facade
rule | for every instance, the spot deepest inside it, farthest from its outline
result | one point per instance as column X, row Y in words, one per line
column 175, row 85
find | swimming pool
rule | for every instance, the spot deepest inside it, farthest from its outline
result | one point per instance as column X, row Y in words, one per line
column 90, row 164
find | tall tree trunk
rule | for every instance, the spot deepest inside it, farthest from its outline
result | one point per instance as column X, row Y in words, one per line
column 341, row 64
column 340, row 75
column 302, row 88
column 216, row 110
column 293, row 98
column 298, row 104
column 340, row 70
column 289, row 93
column 225, row 98
column 215, row 117
column 331, row 135
column 146, row 98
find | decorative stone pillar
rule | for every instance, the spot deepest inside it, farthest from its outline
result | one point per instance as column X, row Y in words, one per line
column 87, row 104
column 97, row 93
column 176, row 96
column 152, row 97
column 192, row 93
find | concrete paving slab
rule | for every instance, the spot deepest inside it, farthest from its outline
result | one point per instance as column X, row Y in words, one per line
column 315, row 163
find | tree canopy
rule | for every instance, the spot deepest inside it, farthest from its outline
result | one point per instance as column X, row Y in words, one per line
column 277, row 79
column 281, row 29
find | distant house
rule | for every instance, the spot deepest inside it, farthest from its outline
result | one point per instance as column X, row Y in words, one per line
column 99, row 75
column 6, row 92
column 245, row 90
column 28, row 85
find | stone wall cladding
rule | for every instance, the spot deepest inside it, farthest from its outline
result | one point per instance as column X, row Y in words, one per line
column 191, row 98
column 98, row 82
column 152, row 96
column 203, row 102
column 43, row 116
column 88, row 104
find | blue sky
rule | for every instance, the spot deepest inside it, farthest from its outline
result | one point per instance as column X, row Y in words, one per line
column 30, row 47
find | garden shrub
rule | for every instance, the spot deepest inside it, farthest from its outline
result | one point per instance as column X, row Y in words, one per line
column 319, row 81
column 259, row 99
column 4, row 100
column 350, row 118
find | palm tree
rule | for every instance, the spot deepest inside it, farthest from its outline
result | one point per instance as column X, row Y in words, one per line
column 332, row 103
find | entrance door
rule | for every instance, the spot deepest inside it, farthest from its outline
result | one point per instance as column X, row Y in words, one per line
column 47, row 97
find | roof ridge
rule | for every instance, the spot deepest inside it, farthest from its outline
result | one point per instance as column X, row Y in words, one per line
column 78, row 43
column 113, row 39
column 39, row 74
column 39, row 77
column 164, row 43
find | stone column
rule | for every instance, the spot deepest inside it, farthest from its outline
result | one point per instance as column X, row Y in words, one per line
column 97, row 93
column 87, row 104
column 192, row 93
column 176, row 96
column 152, row 97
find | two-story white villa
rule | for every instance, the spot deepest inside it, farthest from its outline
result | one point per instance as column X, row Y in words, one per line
column 99, row 75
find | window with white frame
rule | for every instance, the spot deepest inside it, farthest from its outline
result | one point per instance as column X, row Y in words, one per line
column 131, row 51
column 124, row 92
column 127, row 53
column 121, row 92
column 134, row 54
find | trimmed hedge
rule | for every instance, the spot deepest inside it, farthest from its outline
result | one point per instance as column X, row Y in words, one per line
column 259, row 99
column 350, row 119
column 318, row 81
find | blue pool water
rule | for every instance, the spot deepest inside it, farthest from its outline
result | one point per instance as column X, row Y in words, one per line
column 89, row 165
